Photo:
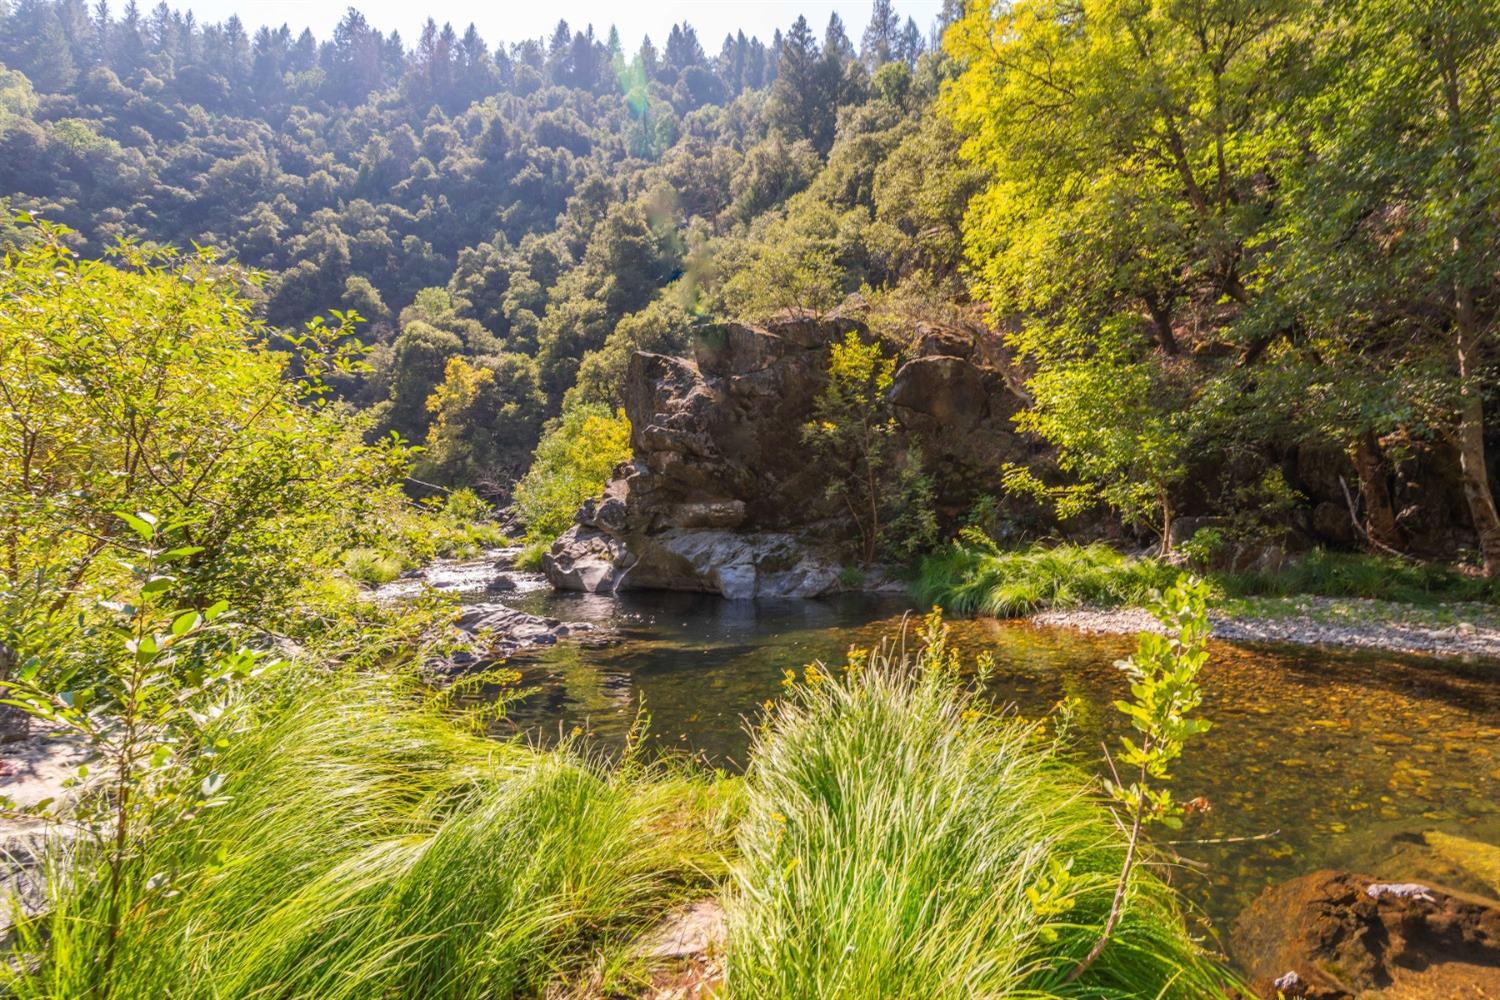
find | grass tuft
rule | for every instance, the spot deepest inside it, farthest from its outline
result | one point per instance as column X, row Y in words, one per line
column 901, row 841
column 367, row 846
column 977, row 581
column 372, row 567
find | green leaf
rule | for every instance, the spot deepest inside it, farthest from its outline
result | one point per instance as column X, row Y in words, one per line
column 142, row 524
column 158, row 584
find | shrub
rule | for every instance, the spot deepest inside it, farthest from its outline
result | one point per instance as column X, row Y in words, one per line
column 574, row 460
column 149, row 386
column 902, row 840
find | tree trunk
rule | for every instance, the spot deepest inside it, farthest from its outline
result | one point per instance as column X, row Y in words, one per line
column 1380, row 514
column 1166, row 524
column 1470, row 438
column 15, row 724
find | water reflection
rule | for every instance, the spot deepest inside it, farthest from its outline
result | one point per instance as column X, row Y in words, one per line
column 1334, row 759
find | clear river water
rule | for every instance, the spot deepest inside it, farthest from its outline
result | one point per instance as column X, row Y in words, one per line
column 1325, row 759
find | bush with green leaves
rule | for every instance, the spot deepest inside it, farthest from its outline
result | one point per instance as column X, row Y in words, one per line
column 144, row 382
column 881, row 490
column 143, row 703
column 577, row 455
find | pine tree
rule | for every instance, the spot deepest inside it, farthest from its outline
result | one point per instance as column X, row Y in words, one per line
column 795, row 96
column 879, row 45
column 909, row 47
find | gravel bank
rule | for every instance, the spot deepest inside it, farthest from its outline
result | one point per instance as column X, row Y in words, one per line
column 1458, row 632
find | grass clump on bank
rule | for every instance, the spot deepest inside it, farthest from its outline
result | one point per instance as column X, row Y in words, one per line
column 988, row 581
column 1348, row 574
column 902, row 840
column 981, row 579
column 363, row 845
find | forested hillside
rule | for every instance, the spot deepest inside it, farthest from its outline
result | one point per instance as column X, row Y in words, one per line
column 1237, row 261
column 509, row 217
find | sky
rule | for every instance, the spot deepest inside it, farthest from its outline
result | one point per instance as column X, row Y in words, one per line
column 510, row 21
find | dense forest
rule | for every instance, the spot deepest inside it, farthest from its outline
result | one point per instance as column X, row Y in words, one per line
column 1239, row 252
column 508, row 220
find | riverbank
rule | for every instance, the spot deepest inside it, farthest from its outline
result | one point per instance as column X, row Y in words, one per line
column 1462, row 631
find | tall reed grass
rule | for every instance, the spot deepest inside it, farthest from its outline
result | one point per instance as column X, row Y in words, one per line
column 904, row 842
column 369, row 847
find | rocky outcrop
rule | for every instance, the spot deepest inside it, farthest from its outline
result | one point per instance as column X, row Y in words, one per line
column 720, row 496
column 1336, row 936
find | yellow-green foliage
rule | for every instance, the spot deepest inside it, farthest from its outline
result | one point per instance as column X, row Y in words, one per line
column 573, row 462
column 144, row 383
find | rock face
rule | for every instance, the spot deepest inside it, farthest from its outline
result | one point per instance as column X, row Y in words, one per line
column 720, row 496
column 1336, row 936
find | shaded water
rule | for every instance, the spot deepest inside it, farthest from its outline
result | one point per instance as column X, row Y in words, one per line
column 1343, row 759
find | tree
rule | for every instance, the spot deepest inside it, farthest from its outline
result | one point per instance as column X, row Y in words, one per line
column 853, row 435
column 1128, row 150
column 1390, row 242
column 683, row 51
column 484, row 417
column 419, row 362
column 801, row 106
column 881, row 39
column 910, row 46
column 147, row 386
column 577, row 455
column 1117, row 431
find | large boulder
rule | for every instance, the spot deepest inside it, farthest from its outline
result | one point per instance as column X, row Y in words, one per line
column 1336, row 936
column 719, row 495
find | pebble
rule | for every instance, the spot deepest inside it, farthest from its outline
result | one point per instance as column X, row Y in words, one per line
column 1390, row 634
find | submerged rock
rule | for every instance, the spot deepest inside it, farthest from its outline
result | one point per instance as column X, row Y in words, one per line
column 1336, row 936
column 1479, row 859
column 495, row 632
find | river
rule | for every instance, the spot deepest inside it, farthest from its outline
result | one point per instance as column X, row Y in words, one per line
column 1327, row 759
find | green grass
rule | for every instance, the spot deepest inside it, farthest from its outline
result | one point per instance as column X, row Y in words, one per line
column 370, row 844
column 372, row 567
column 973, row 580
column 1342, row 574
column 894, row 831
column 530, row 556
column 976, row 581
column 368, row 847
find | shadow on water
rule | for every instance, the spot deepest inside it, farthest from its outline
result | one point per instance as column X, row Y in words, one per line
column 1330, row 759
